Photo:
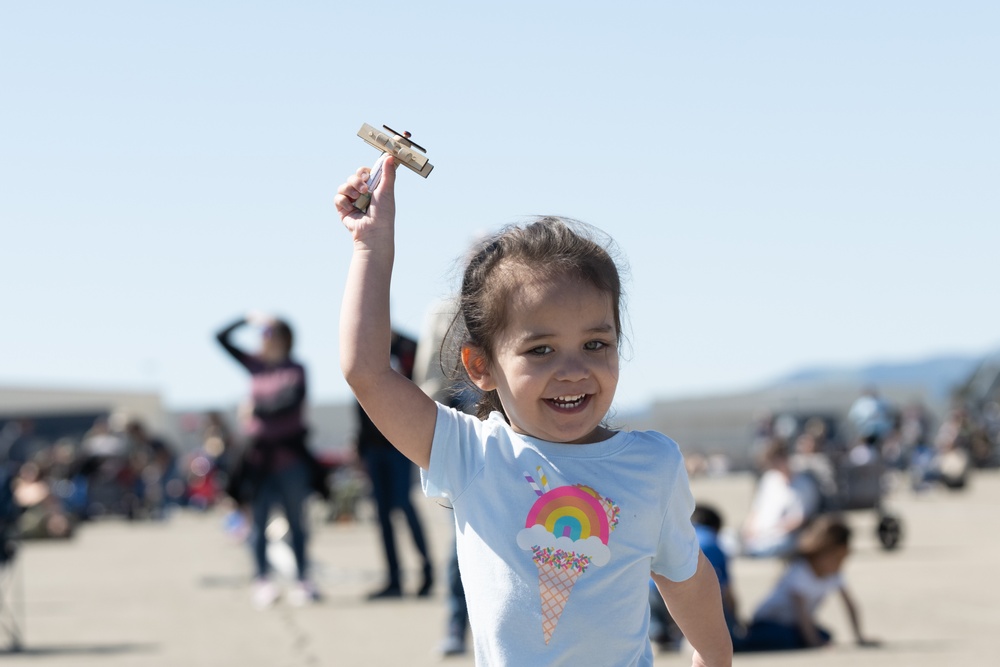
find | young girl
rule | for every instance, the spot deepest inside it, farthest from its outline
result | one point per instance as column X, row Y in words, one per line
column 559, row 520
column 787, row 617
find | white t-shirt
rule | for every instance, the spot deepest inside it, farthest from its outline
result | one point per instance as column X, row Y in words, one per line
column 776, row 501
column 798, row 580
column 556, row 541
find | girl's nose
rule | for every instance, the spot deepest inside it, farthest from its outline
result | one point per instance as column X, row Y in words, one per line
column 572, row 367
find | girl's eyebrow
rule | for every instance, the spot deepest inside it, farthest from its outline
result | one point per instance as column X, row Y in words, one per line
column 535, row 337
column 542, row 335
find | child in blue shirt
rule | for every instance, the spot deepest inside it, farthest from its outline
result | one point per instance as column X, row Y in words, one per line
column 560, row 520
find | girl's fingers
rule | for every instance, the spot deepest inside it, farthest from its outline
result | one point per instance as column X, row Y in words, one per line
column 355, row 185
column 359, row 180
column 344, row 204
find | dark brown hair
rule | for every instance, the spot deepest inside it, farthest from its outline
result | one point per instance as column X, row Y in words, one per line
column 546, row 248
column 825, row 532
column 281, row 330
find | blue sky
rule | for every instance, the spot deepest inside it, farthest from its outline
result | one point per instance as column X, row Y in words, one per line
column 792, row 183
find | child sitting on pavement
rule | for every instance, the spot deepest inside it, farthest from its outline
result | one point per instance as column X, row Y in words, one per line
column 787, row 617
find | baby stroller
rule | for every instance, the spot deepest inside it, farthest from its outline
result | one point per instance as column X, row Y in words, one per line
column 846, row 478
column 862, row 486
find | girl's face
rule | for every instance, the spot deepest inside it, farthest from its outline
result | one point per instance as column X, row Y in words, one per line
column 556, row 362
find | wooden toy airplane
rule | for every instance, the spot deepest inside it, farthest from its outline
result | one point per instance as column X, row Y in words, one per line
column 398, row 145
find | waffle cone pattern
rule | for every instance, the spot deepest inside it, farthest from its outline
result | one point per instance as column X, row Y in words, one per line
column 554, row 586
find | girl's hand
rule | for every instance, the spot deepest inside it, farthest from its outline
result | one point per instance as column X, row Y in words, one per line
column 382, row 209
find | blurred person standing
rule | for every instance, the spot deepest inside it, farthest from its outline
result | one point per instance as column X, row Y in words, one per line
column 429, row 375
column 870, row 416
column 276, row 466
column 392, row 476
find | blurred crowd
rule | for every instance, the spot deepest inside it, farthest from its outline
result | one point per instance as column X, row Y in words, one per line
column 116, row 468
column 120, row 468
column 906, row 437
column 811, row 470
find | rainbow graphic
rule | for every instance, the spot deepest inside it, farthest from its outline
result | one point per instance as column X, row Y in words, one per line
column 570, row 511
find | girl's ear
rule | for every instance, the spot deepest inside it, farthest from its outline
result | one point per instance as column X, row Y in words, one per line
column 478, row 368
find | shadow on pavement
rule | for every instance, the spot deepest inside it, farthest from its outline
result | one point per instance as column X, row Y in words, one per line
column 80, row 649
column 225, row 581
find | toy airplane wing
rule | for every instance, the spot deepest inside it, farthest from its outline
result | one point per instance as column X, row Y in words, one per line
column 399, row 145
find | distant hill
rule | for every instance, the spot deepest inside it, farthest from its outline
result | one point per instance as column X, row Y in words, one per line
column 938, row 375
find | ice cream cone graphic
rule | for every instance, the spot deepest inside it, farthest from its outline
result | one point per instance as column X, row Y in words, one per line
column 555, row 583
column 567, row 531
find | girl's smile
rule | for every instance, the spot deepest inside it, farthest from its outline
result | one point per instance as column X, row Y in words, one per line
column 569, row 402
column 556, row 362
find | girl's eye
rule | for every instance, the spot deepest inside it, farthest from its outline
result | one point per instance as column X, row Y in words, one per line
column 595, row 345
column 541, row 350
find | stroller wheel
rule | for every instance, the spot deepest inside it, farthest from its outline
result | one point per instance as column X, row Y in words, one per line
column 889, row 531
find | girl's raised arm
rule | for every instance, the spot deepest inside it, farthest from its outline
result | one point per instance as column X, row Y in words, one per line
column 400, row 410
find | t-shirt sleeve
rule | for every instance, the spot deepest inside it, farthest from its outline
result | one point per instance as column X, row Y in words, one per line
column 677, row 553
column 456, row 454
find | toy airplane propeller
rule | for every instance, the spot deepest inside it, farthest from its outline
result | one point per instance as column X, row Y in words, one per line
column 397, row 144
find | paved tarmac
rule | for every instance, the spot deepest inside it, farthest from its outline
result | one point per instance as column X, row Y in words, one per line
column 176, row 593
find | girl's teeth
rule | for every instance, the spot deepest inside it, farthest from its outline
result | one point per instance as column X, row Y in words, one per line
column 569, row 401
